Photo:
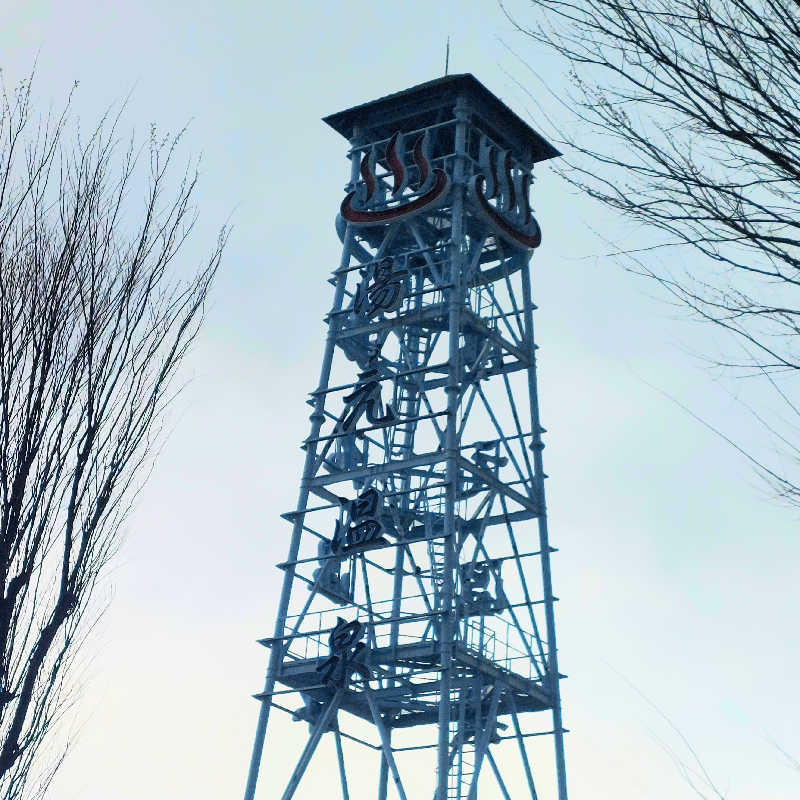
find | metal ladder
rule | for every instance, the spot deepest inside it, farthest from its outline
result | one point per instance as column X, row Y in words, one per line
column 407, row 400
column 436, row 551
column 407, row 405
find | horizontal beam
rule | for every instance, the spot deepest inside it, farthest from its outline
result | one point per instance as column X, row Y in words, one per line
column 388, row 468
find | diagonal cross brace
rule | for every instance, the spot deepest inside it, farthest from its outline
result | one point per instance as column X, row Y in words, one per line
column 311, row 745
column 483, row 744
column 385, row 744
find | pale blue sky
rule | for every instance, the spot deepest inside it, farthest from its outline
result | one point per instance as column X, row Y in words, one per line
column 674, row 569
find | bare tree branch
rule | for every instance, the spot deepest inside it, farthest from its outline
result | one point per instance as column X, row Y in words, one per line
column 93, row 326
column 693, row 113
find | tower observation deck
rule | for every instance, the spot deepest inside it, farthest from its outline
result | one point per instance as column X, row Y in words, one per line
column 416, row 619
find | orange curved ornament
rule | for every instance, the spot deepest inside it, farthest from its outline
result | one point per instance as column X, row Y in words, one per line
column 514, row 236
column 431, row 199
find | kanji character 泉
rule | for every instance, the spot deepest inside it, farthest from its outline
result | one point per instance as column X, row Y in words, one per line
column 346, row 655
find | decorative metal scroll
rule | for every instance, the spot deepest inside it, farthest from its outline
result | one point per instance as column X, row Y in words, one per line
column 509, row 216
column 366, row 205
column 311, row 711
column 486, row 455
column 476, row 600
column 328, row 577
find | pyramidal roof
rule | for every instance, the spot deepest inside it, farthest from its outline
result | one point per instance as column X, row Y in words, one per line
column 420, row 106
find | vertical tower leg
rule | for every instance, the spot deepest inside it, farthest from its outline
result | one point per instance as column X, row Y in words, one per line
column 544, row 544
column 455, row 303
column 317, row 418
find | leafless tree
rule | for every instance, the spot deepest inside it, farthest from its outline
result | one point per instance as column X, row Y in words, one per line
column 692, row 118
column 94, row 322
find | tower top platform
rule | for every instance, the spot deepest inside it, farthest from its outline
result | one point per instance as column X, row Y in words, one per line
column 421, row 106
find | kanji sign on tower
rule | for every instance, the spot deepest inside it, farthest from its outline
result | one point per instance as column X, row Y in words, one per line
column 417, row 591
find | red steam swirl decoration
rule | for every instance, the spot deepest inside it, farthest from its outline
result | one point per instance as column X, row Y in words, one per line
column 396, row 164
column 431, row 189
column 511, row 217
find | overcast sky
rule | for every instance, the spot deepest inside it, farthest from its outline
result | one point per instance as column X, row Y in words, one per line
column 676, row 573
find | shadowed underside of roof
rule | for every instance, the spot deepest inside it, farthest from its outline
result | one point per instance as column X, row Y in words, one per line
column 422, row 105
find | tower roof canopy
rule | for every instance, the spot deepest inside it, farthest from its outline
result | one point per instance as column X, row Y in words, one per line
column 420, row 106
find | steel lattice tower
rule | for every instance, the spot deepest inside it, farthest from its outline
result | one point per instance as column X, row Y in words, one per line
column 417, row 594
